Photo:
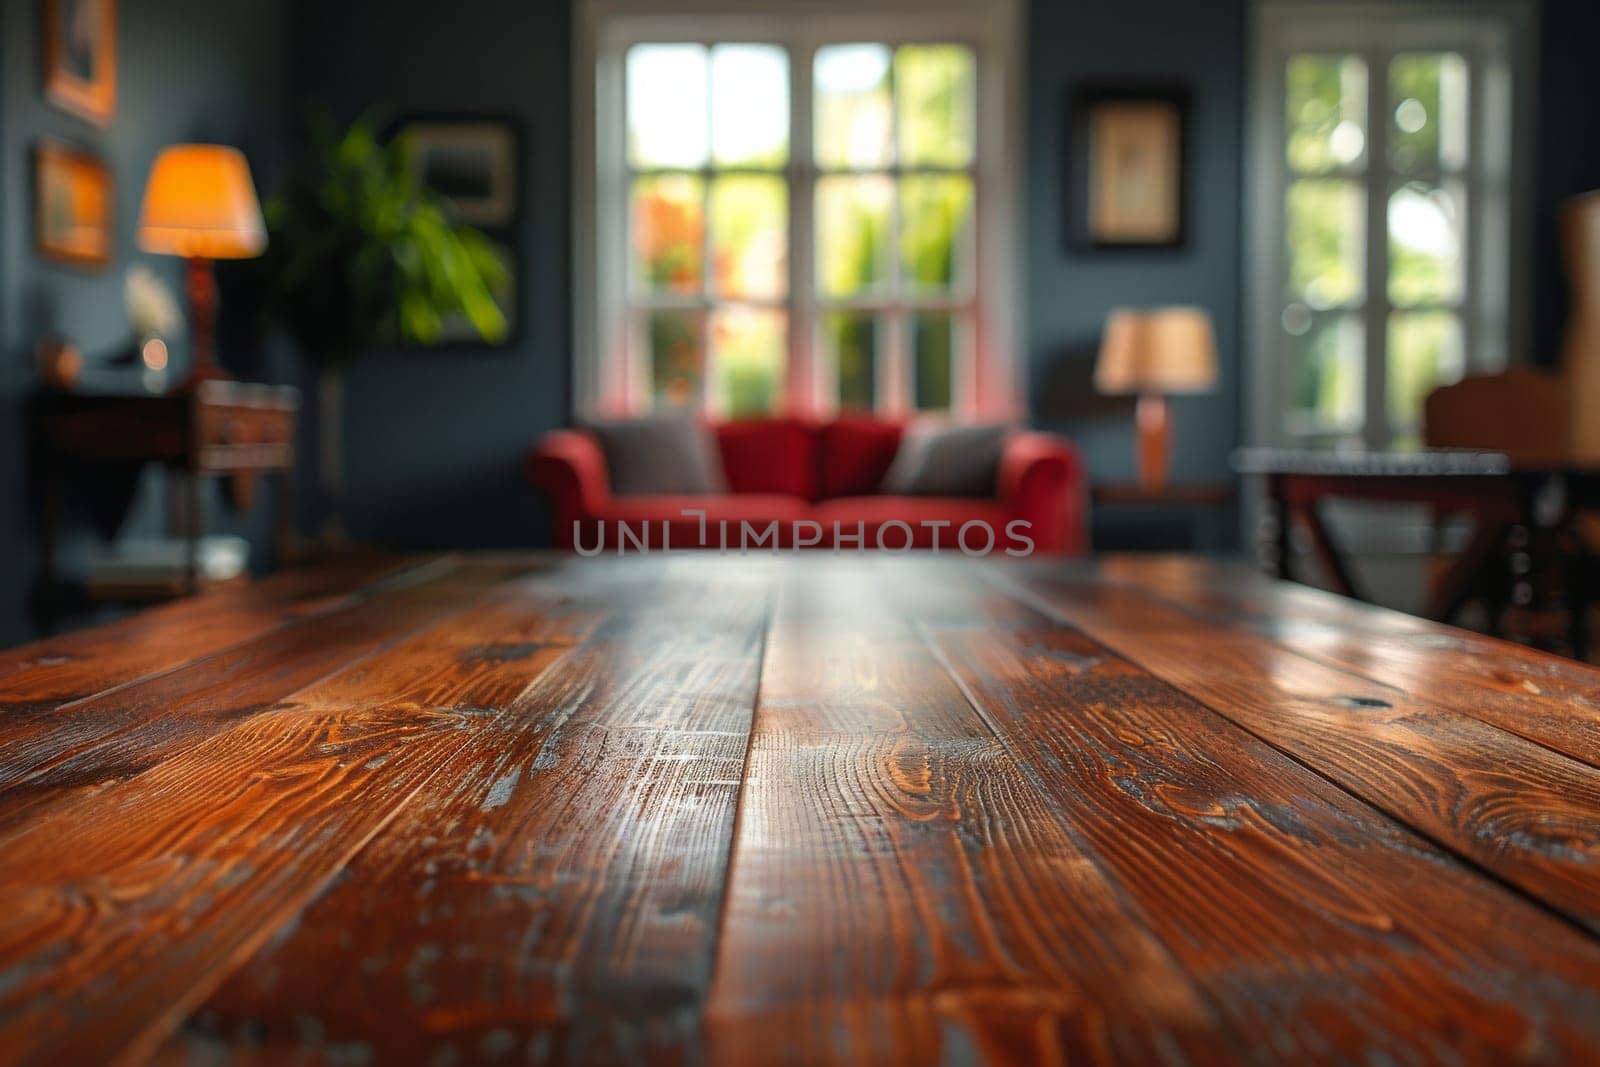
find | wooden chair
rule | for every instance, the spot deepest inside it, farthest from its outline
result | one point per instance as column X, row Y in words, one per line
column 1523, row 412
column 1526, row 413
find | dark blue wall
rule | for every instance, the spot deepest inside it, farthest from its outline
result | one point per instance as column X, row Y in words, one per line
column 188, row 70
column 435, row 439
column 1568, row 160
column 1202, row 46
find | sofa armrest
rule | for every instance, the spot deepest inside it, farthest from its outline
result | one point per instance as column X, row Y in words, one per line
column 571, row 468
column 1041, row 481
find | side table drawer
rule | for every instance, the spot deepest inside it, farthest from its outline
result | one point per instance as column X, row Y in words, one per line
column 240, row 437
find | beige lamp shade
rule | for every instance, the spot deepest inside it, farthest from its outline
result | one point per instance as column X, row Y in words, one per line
column 201, row 204
column 1161, row 351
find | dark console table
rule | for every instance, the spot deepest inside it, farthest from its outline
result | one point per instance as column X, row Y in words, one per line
column 234, row 430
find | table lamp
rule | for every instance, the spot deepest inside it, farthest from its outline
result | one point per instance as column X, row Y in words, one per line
column 1156, row 354
column 200, row 204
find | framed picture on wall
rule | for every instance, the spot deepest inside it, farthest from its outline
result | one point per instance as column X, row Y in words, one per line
column 80, row 57
column 1126, row 168
column 473, row 164
column 74, row 197
column 470, row 163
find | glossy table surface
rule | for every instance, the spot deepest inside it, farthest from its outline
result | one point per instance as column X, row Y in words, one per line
column 665, row 809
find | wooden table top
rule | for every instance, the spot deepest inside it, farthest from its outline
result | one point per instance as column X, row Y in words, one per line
column 753, row 810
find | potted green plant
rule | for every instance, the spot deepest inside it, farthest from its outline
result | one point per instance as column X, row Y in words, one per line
column 361, row 256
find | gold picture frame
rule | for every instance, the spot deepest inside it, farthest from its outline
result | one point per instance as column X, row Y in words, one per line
column 80, row 57
column 75, row 199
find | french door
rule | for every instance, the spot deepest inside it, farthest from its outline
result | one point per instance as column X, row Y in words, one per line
column 1384, row 236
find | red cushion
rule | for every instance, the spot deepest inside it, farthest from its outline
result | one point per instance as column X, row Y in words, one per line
column 652, row 518
column 872, row 512
column 769, row 456
column 853, row 455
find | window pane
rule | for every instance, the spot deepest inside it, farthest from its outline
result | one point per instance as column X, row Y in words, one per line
column 675, row 357
column 933, row 345
column 668, row 234
column 1325, row 375
column 852, row 106
column 747, row 360
column 853, row 234
column 1326, row 235
column 850, row 340
column 749, row 105
column 934, row 104
column 749, row 236
column 1428, row 127
column 1326, row 111
column 1425, row 352
column 667, row 105
column 935, row 216
column 1425, row 227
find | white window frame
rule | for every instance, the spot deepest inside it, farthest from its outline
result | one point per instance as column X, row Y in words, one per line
column 606, row 378
column 1496, row 38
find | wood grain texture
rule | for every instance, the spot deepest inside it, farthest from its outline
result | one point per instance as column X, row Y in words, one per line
column 801, row 809
column 901, row 891
column 94, row 742
column 119, row 912
column 48, row 673
column 1518, row 809
column 1551, row 701
column 1316, row 925
column 553, row 892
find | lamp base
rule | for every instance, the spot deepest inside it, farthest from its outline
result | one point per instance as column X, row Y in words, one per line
column 1154, row 425
column 202, row 291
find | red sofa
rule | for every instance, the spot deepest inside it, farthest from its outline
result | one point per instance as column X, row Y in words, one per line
column 804, row 475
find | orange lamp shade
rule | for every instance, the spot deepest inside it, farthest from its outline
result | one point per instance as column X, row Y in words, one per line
column 1164, row 351
column 201, row 204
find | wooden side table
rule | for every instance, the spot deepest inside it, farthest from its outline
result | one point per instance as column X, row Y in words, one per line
column 1193, row 499
column 235, row 430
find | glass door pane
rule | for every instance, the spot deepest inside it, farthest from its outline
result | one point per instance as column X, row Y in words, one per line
column 1326, row 234
column 1326, row 110
column 1327, row 375
column 1425, row 351
column 1426, row 233
column 1428, row 117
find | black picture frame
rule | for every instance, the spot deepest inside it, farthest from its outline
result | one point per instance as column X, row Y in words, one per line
column 503, row 227
column 1080, row 230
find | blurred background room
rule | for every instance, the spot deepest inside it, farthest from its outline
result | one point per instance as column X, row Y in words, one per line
column 1313, row 283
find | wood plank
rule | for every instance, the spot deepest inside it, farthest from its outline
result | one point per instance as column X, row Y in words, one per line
column 1528, row 814
column 553, row 892
column 1317, row 926
column 120, row 912
column 1553, row 701
column 78, row 665
column 901, row 890
column 91, row 744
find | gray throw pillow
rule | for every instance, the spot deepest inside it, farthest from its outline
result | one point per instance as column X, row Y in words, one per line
column 659, row 456
column 942, row 460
